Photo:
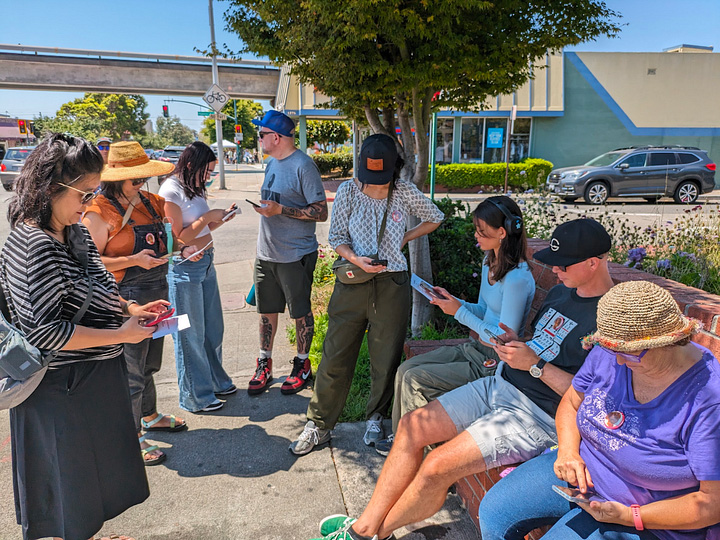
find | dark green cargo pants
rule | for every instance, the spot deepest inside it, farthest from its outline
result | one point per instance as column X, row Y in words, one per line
column 382, row 306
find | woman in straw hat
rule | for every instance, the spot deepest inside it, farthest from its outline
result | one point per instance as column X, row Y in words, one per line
column 76, row 459
column 193, row 285
column 638, row 433
column 127, row 225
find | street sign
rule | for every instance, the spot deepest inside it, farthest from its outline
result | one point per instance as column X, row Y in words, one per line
column 205, row 113
column 216, row 97
column 220, row 116
column 238, row 137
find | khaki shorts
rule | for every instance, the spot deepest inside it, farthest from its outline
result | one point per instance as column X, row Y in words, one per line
column 505, row 424
column 278, row 284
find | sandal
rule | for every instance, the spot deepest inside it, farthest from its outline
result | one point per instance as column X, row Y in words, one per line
column 174, row 426
column 145, row 451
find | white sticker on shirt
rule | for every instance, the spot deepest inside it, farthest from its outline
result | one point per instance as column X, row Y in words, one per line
column 551, row 330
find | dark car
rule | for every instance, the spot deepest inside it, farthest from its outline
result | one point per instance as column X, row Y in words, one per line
column 649, row 172
column 172, row 153
column 12, row 164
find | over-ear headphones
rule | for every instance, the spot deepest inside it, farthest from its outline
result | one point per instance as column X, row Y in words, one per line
column 513, row 224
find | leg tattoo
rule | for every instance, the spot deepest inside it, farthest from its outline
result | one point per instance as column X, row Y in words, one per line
column 304, row 330
column 266, row 333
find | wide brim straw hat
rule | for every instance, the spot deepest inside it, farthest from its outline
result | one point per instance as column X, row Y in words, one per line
column 638, row 315
column 128, row 161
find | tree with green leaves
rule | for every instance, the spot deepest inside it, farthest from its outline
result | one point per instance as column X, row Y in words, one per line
column 172, row 132
column 328, row 133
column 394, row 62
column 99, row 115
column 247, row 110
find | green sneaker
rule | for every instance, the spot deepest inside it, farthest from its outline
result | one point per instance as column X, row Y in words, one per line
column 334, row 523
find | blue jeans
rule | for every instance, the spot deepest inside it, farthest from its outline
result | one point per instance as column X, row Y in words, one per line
column 524, row 500
column 198, row 349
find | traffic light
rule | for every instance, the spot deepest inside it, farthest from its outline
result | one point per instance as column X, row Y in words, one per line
column 166, row 113
column 22, row 127
column 31, row 127
column 238, row 128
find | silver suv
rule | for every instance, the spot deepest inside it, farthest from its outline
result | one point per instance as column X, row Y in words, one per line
column 649, row 172
column 12, row 163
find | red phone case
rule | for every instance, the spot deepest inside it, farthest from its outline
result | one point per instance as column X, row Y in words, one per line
column 164, row 315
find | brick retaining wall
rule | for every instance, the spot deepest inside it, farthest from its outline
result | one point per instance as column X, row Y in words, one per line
column 693, row 303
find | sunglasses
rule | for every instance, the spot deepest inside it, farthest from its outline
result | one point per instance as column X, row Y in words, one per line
column 262, row 134
column 103, row 147
column 139, row 181
column 628, row 357
column 564, row 268
column 87, row 196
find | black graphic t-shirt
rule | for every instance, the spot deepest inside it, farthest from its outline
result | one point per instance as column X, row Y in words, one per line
column 563, row 320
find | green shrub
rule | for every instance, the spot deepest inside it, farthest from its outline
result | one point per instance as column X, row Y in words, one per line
column 529, row 173
column 327, row 163
column 455, row 258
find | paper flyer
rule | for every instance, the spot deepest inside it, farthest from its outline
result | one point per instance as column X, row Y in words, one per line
column 171, row 325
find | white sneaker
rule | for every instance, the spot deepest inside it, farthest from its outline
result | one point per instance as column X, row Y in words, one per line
column 374, row 430
column 310, row 437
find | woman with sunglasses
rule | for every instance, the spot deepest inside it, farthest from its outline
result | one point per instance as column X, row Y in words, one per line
column 76, row 459
column 638, row 434
column 127, row 225
column 193, row 284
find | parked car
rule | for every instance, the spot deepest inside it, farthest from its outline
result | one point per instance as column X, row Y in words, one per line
column 172, row 153
column 12, row 164
column 649, row 172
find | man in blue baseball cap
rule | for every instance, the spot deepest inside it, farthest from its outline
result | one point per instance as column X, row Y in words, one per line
column 293, row 201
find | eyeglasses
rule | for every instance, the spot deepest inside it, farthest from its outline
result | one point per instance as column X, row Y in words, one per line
column 262, row 134
column 139, row 181
column 103, row 147
column 87, row 196
column 628, row 357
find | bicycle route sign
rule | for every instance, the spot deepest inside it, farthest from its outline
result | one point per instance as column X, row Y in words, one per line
column 216, row 97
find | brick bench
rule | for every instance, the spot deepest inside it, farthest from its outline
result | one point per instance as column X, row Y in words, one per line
column 693, row 303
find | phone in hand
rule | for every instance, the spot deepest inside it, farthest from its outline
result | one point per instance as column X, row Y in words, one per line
column 256, row 205
column 495, row 337
column 170, row 255
column 231, row 213
column 160, row 317
column 574, row 495
column 379, row 262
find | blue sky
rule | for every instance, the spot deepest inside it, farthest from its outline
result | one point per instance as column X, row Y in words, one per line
column 177, row 26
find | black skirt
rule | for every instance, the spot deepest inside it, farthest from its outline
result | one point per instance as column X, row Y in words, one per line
column 75, row 453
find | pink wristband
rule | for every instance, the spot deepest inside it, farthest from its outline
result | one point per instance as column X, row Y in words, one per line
column 636, row 517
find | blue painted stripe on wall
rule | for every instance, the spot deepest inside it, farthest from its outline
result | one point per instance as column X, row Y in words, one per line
column 442, row 114
column 624, row 118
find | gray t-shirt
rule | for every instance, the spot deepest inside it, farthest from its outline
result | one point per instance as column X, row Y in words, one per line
column 295, row 182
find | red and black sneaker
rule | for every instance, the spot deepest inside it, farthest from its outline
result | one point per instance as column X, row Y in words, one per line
column 262, row 377
column 299, row 377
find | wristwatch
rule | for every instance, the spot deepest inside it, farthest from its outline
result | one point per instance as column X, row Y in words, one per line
column 635, row 509
column 537, row 369
column 126, row 307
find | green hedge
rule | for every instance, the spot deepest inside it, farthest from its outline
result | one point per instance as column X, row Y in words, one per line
column 329, row 162
column 529, row 173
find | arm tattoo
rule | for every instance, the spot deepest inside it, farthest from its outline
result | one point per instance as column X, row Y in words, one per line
column 266, row 332
column 315, row 212
column 304, row 330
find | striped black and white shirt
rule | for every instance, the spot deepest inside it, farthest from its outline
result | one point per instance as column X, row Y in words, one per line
column 45, row 286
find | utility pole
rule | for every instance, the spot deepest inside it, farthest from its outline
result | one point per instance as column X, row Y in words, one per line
column 218, row 122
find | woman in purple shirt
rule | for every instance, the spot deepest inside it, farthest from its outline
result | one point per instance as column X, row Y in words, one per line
column 638, row 434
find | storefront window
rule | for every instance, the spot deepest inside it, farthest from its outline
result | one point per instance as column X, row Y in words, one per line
column 472, row 139
column 444, row 148
column 495, row 136
column 520, row 140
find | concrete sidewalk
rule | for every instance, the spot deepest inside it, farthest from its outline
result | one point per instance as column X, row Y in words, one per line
column 231, row 476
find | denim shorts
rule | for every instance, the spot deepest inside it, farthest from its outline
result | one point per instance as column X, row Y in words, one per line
column 505, row 424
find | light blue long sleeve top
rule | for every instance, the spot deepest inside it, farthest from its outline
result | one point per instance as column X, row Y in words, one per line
column 507, row 301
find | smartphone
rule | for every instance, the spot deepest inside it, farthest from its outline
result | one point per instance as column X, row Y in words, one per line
column 170, row 255
column 256, row 205
column 379, row 262
column 231, row 213
column 160, row 317
column 495, row 337
column 574, row 495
